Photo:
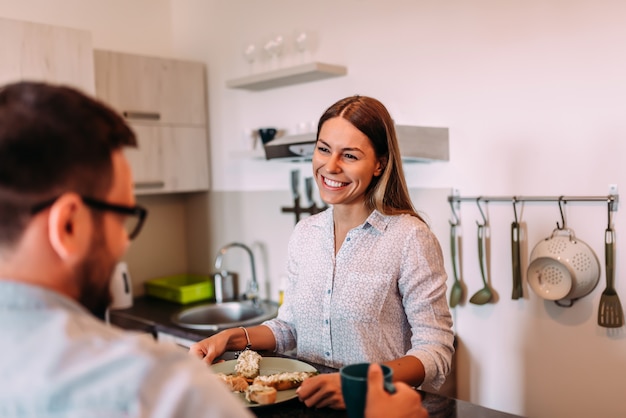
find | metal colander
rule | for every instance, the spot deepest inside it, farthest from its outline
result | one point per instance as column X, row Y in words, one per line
column 563, row 267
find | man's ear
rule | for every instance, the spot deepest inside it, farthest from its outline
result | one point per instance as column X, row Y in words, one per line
column 70, row 227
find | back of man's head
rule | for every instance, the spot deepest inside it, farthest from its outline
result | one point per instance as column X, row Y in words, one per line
column 53, row 139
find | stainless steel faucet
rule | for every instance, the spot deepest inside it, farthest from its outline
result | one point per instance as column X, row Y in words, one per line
column 252, row 288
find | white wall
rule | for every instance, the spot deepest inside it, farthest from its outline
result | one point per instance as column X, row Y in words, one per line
column 532, row 92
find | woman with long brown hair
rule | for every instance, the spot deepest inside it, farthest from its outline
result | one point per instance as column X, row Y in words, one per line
column 366, row 281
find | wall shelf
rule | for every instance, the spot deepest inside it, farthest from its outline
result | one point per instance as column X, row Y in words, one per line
column 304, row 73
column 253, row 154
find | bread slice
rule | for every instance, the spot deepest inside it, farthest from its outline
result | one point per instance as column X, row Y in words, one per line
column 248, row 364
column 263, row 395
column 234, row 382
column 283, row 381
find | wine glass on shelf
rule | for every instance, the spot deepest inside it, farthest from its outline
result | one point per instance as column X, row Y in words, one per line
column 301, row 42
column 250, row 54
column 274, row 47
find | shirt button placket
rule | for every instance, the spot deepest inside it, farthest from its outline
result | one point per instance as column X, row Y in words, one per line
column 326, row 345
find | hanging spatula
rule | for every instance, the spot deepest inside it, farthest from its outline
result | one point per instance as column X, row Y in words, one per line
column 610, row 313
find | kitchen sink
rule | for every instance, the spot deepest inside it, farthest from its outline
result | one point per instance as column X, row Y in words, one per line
column 217, row 316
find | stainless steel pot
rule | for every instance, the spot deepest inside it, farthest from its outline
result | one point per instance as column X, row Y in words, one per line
column 226, row 286
column 563, row 268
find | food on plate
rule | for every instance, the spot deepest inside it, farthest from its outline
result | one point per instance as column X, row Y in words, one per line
column 268, row 379
column 248, row 364
column 235, row 383
column 263, row 395
column 283, row 381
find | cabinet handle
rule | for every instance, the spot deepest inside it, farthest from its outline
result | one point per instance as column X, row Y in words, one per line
column 132, row 114
column 149, row 185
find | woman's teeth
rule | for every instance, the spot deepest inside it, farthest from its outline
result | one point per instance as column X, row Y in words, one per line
column 333, row 183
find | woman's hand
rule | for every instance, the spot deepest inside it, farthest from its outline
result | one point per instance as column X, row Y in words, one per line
column 259, row 337
column 405, row 403
column 323, row 390
column 210, row 348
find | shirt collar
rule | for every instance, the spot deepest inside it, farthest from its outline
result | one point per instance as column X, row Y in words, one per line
column 18, row 295
column 375, row 220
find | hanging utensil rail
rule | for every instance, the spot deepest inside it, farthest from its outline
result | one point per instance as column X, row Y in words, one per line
column 612, row 199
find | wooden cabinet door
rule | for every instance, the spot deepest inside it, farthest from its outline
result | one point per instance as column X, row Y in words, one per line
column 185, row 159
column 34, row 51
column 152, row 89
column 169, row 159
column 146, row 161
column 164, row 101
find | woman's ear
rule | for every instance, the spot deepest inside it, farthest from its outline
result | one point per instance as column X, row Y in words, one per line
column 70, row 227
column 382, row 163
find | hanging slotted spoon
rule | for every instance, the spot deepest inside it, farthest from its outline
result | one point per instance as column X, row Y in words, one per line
column 456, row 292
column 610, row 313
column 484, row 295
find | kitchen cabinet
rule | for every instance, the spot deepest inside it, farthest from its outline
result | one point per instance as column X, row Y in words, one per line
column 164, row 102
column 34, row 51
column 151, row 88
column 169, row 159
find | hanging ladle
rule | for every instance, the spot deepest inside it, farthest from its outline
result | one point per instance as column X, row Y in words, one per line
column 456, row 292
column 485, row 294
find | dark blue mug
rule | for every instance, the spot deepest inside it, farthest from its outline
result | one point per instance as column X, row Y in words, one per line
column 354, row 386
column 267, row 134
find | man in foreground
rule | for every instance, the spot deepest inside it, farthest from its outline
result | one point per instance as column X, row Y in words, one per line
column 67, row 215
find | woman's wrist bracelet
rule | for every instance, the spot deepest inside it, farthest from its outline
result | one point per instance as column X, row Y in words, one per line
column 248, row 345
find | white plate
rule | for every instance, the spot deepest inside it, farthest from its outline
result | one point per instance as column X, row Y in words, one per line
column 269, row 365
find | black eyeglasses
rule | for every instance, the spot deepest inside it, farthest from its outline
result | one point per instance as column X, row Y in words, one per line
column 135, row 215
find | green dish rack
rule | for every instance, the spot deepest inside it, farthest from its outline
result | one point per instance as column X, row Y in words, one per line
column 181, row 288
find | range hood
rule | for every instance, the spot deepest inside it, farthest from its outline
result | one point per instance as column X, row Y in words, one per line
column 417, row 144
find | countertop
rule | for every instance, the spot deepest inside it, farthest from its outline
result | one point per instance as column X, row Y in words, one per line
column 153, row 315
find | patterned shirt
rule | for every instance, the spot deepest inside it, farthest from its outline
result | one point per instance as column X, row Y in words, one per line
column 383, row 296
column 59, row 361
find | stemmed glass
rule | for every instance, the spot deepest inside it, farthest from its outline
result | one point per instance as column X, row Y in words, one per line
column 274, row 47
column 302, row 43
column 250, row 54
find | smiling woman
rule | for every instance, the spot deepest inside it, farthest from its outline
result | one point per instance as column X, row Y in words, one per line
column 357, row 163
column 349, row 165
column 366, row 281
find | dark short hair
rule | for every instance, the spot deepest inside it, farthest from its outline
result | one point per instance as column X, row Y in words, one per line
column 53, row 139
